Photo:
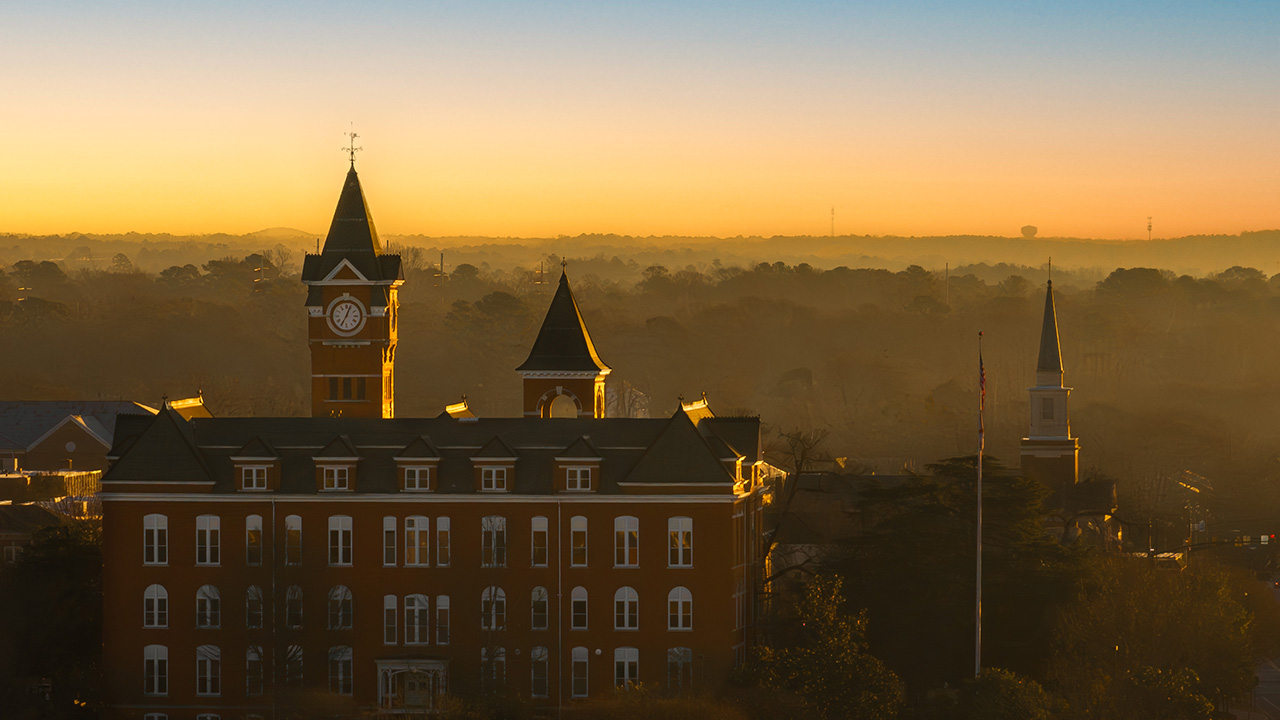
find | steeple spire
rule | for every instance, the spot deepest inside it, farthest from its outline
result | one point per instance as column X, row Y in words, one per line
column 563, row 343
column 1050, row 362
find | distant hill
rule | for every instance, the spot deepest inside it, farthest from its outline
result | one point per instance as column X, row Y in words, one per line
column 281, row 234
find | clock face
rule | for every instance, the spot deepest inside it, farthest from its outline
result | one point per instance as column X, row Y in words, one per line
column 346, row 316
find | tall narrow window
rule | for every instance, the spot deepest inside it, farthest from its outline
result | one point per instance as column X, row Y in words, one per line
column 578, row 608
column 680, row 609
column 155, row 670
column 626, row 667
column 208, row 539
column 389, row 619
column 340, row 615
column 293, row 540
column 293, row 666
column 155, row 607
column 493, row 609
column 208, row 670
column 442, row 619
column 442, row 542
column 417, row 540
column 155, row 540
column 493, row 668
column 254, row 671
column 253, row 477
column 578, row 478
column 208, row 607
column 539, row 664
column 540, row 602
column 293, row 607
column 389, row 541
column 680, row 542
column 253, row 540
column 578, row 673
column 493, row 541
column 340, row 661
column 578, row 541
column 340, row 540
column 417, row 620
column 539, row 541
column 493, row 479
column 679, row 670
column 253, row 607
column 626, row 609
column 626, row 541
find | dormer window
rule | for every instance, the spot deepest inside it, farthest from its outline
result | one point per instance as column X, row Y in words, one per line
column 253, row 477
column 493, row 479
column 337, row 477
column 417, row 479
column 577, row 478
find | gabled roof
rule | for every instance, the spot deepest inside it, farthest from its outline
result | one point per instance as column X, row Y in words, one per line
column 256, row 448
column 164, row 450
column 26, row 518
column 496, row 449
column 25, row 421
column 580, row 448
column 339, row 448
column 563, row 343
column 352, row 237
column 679, row 454
column 420, row 448
column 1050, row 354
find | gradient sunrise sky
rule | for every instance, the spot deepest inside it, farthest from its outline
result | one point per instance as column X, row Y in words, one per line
column 655, row 118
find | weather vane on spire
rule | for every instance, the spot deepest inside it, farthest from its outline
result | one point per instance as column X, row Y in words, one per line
column 351, row 146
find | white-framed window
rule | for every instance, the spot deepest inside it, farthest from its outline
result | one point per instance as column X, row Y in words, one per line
column 254, row 671
column 417, row 479
column 293, row 540
column 293, row 666
column 578, row 672
column 12, row 553
column 493, row 541
column 539, row 668
column 578, row 541
column 155, row 540
column 417, row 620
column 253, row 477
column 293, row 607
column 253, row 540
column 679, row 670
column 442, row 619
column 340, row 615
column 540, row 603
column 336, row 477
column 417, row 540
column 680, row 609
column 208, row 540
column 389, row 612
column 155, row 670
column 155, row 607
column 442, row 542
column 626, row 541
column 493, row 479
column 253, row 607
column 208, row 670
column 578, row 608
column 340, row 665
column 208, row 607
column 493, row 609
column 538, row 542
column 626, row 667
column 493, row 668
column 340, row 540
column 626, row 609
column 680, row 542
column 389, row 541
column 577, row 478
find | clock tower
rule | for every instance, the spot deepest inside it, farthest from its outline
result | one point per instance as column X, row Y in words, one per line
column 352, row 313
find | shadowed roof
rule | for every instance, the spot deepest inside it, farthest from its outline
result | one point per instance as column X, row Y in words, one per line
column 352, row 237
column 1050, row 354
column 563, row 343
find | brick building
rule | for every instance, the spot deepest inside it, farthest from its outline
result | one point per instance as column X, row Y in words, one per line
column 354, row 564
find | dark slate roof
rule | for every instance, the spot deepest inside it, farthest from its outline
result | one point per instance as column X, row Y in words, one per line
column 257, row 448
column 563, row 343
column 352, row 237
column 24, row 421
column 1050, row 355
column 635, row 449
column 26, row 518
column 339, row 447
column 495, row 448
column 581, row 448
column 742, row 434
column 421, row 447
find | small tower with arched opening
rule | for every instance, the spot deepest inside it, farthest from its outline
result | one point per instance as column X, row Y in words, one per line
column 563, row 377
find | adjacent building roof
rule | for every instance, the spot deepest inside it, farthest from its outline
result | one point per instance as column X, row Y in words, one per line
column 23, row 422
column 563, row 343
column 25, row 519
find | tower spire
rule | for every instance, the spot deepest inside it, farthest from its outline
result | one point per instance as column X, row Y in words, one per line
column 1050, row 361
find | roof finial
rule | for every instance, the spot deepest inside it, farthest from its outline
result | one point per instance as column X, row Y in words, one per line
column 351, row 145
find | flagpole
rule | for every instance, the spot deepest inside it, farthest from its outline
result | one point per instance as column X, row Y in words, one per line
column 977, row 606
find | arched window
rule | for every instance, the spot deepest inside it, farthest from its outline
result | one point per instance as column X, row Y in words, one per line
column 155, row 607
column 578, row 673
column 679, row 670
column 254, row 672
column 340, row 608
column 340, row 540
column 417, row 620
column 578, row 541
column 155, row 670
column 155, row 540
column 208, row 670
column 680, row 609
column 563, row 406
column 626, row 667
column 340, row 662
column 253, row 610
column 417, row 540
column 626, row 609
column 578, row 608
column 253, row 540
column 493, row 668
column 539, row 608
column 539, row 664
column 293, row 666
column 493, row 609
column 208, row 540
column 626, row 541
column 293, row 607
column 208, row 607
column 293, row 540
